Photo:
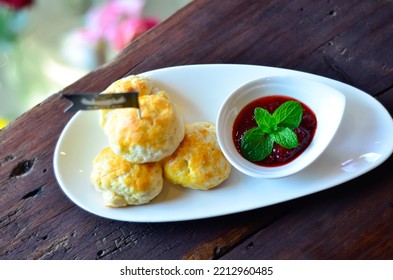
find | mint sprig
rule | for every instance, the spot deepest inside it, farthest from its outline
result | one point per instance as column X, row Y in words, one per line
column 257, row 143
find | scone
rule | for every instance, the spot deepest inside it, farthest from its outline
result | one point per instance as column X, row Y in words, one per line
column 127, row 84
column 149, row 138
column 123, row 183
column 198, row 163
column 133, row 82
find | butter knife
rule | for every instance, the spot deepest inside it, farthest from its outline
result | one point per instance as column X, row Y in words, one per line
column 98, row 101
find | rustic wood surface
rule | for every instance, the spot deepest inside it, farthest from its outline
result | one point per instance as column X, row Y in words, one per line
column 349, row 41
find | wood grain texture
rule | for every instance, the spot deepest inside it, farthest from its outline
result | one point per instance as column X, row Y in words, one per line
column 349, row 41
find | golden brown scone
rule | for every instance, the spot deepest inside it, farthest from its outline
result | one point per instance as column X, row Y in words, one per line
column 198, row 163
column 133, row 82
column 130, row 83
column 150, row 138
column 124, row 183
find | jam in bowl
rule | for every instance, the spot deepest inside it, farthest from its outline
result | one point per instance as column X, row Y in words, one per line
column 276, row 126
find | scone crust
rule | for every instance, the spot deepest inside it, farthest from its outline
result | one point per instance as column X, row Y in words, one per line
column 150, row 138
column 124, row 183
column 133, row 82
column 198, row 163
column 130, row 83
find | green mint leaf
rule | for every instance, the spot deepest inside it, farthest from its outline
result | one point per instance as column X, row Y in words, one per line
column 264, row 119
column 285, row 137
column 289, row 114
column 256, row 145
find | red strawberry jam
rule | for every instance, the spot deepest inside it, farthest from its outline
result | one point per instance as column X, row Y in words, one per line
column 280, row 155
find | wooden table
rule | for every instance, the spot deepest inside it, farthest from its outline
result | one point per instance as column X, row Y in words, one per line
column 349, row 41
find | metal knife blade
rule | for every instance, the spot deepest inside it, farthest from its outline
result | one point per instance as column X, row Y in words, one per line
column 97, row 101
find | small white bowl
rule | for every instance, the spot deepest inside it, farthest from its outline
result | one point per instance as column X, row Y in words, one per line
column 327, row 104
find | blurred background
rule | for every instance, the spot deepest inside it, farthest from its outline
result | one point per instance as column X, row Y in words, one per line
column 46, row 45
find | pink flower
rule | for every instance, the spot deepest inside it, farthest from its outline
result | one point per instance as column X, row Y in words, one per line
column 17, row 4
column 118, row 22
column 128, row 30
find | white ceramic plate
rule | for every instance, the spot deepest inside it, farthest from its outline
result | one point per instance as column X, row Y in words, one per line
column 362, row 142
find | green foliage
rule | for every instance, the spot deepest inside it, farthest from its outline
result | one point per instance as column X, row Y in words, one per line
column 257, row 143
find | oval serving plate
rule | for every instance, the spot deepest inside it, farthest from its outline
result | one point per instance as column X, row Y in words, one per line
column 358, row 146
